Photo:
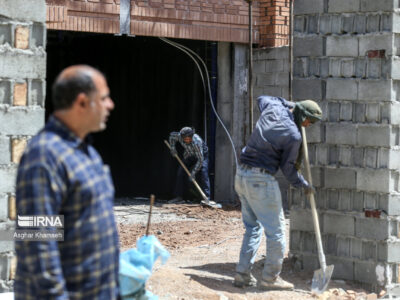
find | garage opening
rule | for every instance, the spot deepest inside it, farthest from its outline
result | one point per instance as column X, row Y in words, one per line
column 156, row 89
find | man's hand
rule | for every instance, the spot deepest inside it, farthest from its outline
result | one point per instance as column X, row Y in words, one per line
column 308, row 190
column 173, row 152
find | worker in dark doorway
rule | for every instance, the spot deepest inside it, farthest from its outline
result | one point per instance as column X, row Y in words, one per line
column 275, row 143
column 195, row 158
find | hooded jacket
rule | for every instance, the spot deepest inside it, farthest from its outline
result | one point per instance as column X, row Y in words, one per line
column 275, row 141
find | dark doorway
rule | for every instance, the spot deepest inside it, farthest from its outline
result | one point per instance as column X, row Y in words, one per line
column 156, row 89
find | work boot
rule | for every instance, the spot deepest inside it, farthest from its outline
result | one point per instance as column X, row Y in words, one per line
column 242, row 280
column 176, row 200
column 277, row 284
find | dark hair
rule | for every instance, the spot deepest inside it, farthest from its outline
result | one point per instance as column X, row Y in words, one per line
column 66, row 89
column 187, row 132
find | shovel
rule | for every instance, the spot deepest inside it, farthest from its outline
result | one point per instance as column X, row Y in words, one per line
column 205, row 200
column 322, row 276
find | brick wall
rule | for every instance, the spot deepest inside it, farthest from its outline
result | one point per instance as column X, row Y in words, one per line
column 22, row 92
column 346, row 59
column 274, row 23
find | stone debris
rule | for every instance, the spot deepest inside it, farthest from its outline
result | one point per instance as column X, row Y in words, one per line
column 341, row 294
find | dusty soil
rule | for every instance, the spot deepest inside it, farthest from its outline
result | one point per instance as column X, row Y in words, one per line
column 204, row 244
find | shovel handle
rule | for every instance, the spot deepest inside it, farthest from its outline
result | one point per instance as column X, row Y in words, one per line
column 321, row 254
column 152, row 198
column 188, row 173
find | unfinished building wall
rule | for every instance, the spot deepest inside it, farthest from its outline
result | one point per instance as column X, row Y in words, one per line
column 346, row 58
column 22, row 89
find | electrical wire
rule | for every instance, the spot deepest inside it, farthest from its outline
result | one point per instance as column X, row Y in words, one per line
column 191, row 54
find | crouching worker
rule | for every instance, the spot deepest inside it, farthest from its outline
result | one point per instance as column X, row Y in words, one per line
column 195, row 158
column 275, row 143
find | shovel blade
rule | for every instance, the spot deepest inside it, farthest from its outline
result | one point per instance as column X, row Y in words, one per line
column 321, row 279
column 212, row 204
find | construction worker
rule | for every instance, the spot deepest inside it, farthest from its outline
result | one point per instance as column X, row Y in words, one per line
column 275, row 143
column 195, row 158
column 61, row 174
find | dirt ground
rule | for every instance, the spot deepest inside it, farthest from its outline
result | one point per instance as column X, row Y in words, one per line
column 204, row 245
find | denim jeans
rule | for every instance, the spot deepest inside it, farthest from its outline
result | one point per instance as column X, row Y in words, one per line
column 261, row 209
column 202, row 178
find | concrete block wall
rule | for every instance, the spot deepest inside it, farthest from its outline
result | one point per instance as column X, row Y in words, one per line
column 346, row 58
column 22, row 93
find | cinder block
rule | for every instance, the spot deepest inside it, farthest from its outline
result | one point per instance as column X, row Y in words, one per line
column 274, row 65
column 272, row 90
column 333, row 111
column 345, row 155
column 7, row 180
column 338, row 224
column 395, row 70
column 296, row 199
column 24, row 10
column 309, row 262
column 336, row 23
column 38, row 36
column 343, row 6
column 259, row 67
column 265, row 79
column 375, row 90
column 18, row 146
column 295, row 240
column 383, row 158
column 20, row 65
column 5, row 92
column 371, row 157
column 345, row 200
column 346, row 111
column 5, row 154
column 344, row 267
column 333, row 155
column 374, row 68
column 358, row 201
column 309, row 243
column 299, row 24
column 301, row 220
column 372, row 112
column 335, row 67
column 376, row 135
column 314, row 68
column 341, row 134
column 356, row 248
column 37, row 92
column 386, row 22
column 307, row 89
column 324, row 67
column 300, row 67
column 341, row 89
column 282, row 79
column 20, row 94
column 389, row 251
column 394, row 159
column 370, row 272
column 358, row 157
column 372, row 228
column 333, row 200
column 5, row 34
column 361, row 68
column 322, row 154
column 360, row 23
column 373, row 23
column 375, row 6
column 369, row 250
column 348, row 68
column 315, row 133
column 22, row 37
column 348, row 24
column 343, row 247
column 12, row 207
column 303, row 7
column 325, row 24
column 375, row 42
column 396, row 22
column 308, row 46
column 21, row 121
column 371, row 200
column 375, row 180
column 312, row 24
column 342, row 46
column 340, row 178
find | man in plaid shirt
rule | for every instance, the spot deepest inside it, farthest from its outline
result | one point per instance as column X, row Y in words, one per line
column 60, row 174
column 195, row 157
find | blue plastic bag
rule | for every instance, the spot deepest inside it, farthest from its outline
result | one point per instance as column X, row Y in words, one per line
column 135, row 267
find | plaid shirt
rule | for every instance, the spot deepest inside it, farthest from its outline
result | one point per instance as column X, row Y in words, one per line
column 59, row 174
column 196, row 148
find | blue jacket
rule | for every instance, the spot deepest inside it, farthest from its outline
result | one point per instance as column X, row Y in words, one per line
column 275, row 141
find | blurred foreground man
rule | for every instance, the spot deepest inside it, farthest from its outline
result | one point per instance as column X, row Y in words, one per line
column 275, row 143
column 60, row 174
